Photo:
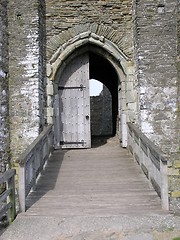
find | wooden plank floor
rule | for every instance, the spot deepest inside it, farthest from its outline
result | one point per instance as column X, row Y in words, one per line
column 101, row 181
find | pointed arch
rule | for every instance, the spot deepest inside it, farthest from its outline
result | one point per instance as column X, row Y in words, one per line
column 109, row 44
column 61, row 46
column 97, row 31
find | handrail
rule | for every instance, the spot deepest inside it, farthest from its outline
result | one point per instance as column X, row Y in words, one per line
column 31, row 163
column 152, row 161
column 7, row 197
column 150, row 144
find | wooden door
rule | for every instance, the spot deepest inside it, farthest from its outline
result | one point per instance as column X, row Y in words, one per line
column 72, row 105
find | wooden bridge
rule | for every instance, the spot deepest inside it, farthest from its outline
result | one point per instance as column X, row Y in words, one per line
column 105, row 180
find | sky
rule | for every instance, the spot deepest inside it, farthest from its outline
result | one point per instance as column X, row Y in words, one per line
column 95, row 87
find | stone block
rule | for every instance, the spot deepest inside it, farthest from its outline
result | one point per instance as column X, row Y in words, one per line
column 131, row 106
column 173, row 172
column 176, row 164
column 129, row 86
column 123, row 86
column 123, row 95
column 130, row 97
column 50, row 120
column 132, row 116
column 175, row 194
column 49, row 111
column 130, row 69
column 123, row 105
column 49, row 101
column 49, row 90
column 48, row 70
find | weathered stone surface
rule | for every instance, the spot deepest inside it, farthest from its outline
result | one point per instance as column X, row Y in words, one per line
column 113, row 22
column 176, row 164
column 4, row 121
column 156, row 37
column 173, row 172
column 157, row 72
column 175, row 194
column 26, row 72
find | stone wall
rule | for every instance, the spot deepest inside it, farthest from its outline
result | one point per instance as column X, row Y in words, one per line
column 4, row 134
column 156, row 60
column 157, row 71
column 174, row 168
column 101, row 114
column 64, row 15
column 26, row 72
column 42, row 63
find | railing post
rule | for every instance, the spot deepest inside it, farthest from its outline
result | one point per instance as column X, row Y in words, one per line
column 34, row 171
column 12, row 210
column 124, row 130
column 22, row 189
column 164, row 186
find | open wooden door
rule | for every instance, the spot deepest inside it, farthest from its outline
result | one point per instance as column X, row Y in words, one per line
column 72, row 106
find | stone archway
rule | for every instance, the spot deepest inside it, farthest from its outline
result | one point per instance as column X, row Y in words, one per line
column 78, row 41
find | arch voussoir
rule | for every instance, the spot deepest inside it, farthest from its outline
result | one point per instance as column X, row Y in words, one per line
column 93, row 32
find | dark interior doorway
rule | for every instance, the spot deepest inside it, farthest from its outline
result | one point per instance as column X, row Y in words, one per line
column 102, row 70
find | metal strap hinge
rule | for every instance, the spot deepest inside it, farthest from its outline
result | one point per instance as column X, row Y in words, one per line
column 75, row 87
column 64, row 142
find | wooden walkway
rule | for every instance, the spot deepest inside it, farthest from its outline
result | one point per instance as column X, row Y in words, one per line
column 101, row 181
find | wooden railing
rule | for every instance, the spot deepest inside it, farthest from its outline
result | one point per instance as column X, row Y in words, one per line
column 31, row 163
column 152, row 161
column 7, row 197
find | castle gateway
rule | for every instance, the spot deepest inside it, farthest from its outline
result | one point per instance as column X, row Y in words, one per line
column 51, row 49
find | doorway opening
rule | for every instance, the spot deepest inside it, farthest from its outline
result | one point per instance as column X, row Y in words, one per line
column 104, row 108
column 74, row 126
column 101, row 113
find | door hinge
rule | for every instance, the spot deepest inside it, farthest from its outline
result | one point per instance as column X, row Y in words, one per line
column 64, row 142
column 75, row 87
